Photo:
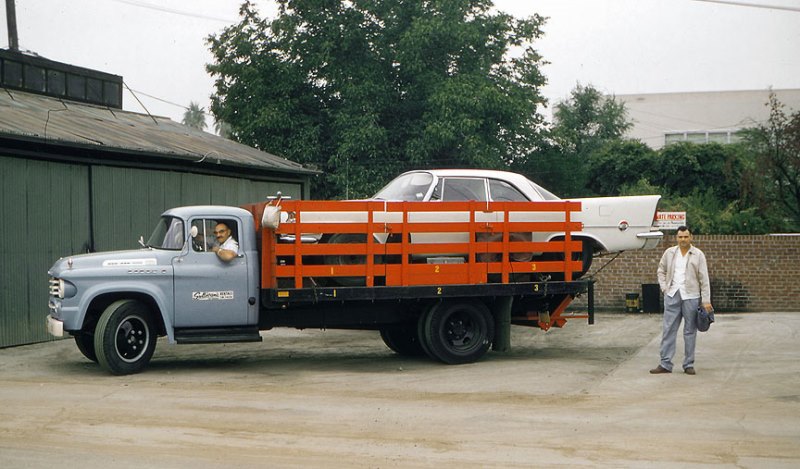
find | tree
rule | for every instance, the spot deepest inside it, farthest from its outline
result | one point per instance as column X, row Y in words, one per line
column 683, row 167
column 366, row 89
column 619, row 164
column 223, row 129
column 776, row 172
column 587, row 120
column 583, row 123
column 195, row 116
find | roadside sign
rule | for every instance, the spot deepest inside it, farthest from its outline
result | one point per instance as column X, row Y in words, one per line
column 670, row 220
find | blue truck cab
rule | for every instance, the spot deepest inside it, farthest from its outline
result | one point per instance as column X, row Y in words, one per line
column 116, row 304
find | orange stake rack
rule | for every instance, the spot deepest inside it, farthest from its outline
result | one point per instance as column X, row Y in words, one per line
column 418, row 243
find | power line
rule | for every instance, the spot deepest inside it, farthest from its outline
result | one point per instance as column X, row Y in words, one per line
column 150, row 6
column 160, row 99
column 752, row 5
column 681, row 119
column 140, row 102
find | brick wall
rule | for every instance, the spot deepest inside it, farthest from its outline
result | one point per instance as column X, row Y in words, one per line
column 748, row 273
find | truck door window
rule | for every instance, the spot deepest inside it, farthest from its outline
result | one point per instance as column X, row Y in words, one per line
column 205, row 235
column 457, row 189
column 205, row 239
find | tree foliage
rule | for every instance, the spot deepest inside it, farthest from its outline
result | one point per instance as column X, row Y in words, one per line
column 583, row 124
column 618, row 164
column 195, row 116
column 776, row 172
column 587, row 120
column 366, row 89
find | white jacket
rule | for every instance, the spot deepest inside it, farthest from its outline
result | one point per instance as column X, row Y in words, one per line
column 697, row 282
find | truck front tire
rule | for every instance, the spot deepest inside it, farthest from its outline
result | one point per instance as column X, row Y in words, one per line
column 458, row 332
column 85, row 343
column 125, row 338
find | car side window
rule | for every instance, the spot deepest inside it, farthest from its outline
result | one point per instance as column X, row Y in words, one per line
column 457, row 189
column 501, row 191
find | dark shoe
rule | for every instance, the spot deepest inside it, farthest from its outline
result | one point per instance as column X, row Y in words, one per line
column 689, row 371
column 659, row 369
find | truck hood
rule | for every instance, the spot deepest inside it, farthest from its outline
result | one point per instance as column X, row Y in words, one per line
column 130, row 259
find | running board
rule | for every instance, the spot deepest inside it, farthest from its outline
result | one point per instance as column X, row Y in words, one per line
column 217, row 335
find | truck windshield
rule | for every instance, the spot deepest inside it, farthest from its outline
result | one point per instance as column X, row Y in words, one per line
column 406, row 187
column 168, row 234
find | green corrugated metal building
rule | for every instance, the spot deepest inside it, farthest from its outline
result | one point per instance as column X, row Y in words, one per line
column 78, row 177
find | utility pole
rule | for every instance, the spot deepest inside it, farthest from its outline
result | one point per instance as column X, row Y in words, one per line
column 11, row 19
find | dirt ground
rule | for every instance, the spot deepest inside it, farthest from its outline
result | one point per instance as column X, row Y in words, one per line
column 579, row 396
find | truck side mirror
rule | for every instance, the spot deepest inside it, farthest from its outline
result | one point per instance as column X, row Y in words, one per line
column 193, row 231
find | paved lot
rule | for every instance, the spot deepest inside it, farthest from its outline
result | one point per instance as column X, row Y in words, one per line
column 575, row 397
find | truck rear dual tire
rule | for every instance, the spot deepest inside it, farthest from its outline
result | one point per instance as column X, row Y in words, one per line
column 403, row 340
column 125, row 339
column 456, row 332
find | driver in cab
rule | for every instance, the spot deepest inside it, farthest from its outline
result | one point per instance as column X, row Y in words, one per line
column 227, row 247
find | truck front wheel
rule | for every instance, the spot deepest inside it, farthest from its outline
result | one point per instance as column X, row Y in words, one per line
column 85, row 343
column 458, row 332
column 125, row 338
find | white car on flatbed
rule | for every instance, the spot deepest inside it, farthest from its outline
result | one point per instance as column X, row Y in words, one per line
column 610, row 224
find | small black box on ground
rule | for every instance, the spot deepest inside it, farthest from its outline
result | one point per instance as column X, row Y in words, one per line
column 651, row 298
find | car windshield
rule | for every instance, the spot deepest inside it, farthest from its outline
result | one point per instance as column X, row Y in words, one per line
column 406, row 187
column 168, row 234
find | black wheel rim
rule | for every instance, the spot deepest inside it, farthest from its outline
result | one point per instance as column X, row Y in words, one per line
column 132, row 338
column 461, row 332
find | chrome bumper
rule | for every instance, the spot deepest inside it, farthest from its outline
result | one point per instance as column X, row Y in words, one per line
column 55, row 327
column 651, row 239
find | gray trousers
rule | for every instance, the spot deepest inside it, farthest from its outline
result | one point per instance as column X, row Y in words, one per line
column 676, row 309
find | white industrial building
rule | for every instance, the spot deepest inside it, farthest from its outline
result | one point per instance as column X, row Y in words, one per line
column 716, row 116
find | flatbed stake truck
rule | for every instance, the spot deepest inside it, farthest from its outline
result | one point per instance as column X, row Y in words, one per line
column 333, row 265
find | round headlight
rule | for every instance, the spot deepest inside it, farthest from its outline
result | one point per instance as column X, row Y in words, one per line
column 68, row 289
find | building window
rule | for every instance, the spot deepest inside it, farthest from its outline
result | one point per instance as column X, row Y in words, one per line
column 702, row 136
column 56, row 83
column 94, row 90
column 76, row 86
column 12, row 74
column 35, row 78
column 111, row 92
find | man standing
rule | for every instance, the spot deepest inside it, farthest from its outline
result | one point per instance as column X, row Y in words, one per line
column 683, row 277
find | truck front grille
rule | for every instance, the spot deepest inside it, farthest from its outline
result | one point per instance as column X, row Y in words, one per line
column 55, row 290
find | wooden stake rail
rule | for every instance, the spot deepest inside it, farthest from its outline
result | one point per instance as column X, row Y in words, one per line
column 385, row 242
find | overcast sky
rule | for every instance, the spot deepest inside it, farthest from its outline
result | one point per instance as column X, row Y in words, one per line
column 618, row 46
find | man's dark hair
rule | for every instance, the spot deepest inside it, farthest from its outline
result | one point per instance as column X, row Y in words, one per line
column 684, row 228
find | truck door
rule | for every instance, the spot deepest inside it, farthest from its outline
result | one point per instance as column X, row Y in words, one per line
column 209, row 291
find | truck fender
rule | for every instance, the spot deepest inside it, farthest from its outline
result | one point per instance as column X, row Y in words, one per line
column 121, row 288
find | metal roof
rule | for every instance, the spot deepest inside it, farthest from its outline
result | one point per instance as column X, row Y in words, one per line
column 29, row 116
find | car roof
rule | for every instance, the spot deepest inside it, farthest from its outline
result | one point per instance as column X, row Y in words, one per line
column 474, row 173
column 515, row 179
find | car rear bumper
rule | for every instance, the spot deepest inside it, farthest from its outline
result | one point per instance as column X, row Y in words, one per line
column 651, row 239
